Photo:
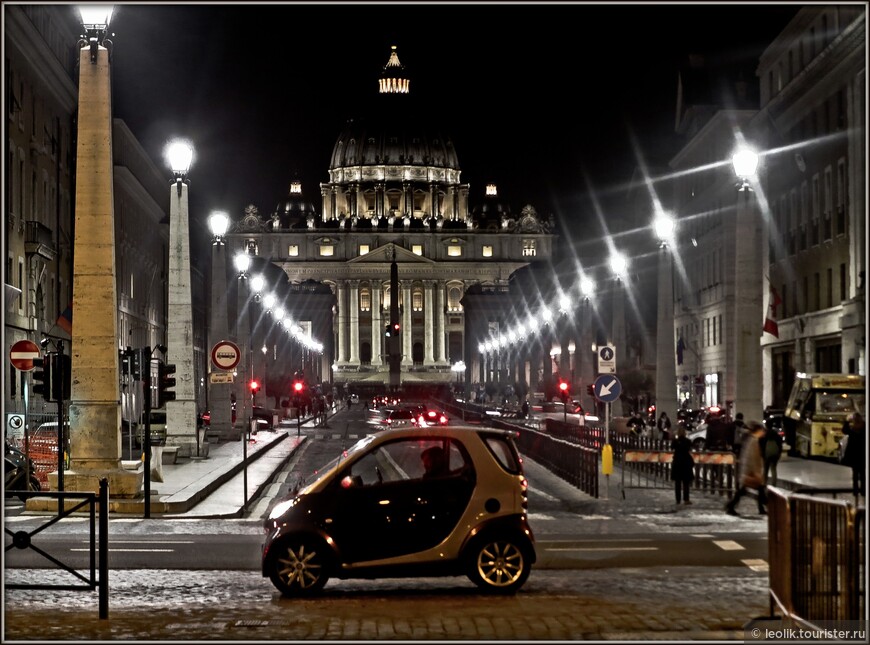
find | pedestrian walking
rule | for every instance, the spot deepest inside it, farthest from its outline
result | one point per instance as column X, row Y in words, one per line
column 854, row 456
column 739, row 433
column 664, row 426
column 750, row 469
column 771, row 449
column 682, row 465
column 524, row 410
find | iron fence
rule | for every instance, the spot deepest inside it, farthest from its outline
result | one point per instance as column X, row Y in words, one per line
column 99, row 553
column 817, row 557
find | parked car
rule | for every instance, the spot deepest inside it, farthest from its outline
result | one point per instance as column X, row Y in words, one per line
column 361, row 517
column 158, row 429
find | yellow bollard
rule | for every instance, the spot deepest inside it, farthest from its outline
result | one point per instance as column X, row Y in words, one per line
column 607, row 459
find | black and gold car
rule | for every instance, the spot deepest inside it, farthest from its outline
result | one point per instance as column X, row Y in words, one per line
column 436, row 501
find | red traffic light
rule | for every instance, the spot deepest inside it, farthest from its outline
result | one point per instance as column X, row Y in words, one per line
column 396, row 326
column 297, row 386
column 254, row 386
column 563, row 386
column 590, row 389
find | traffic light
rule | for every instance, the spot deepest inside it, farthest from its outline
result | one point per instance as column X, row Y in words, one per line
column 590, row 389
column 298, row 387
column 395, row 328
column 255, row 385
column 564, row 390
column 42, row 376
column 165, row 381
column 61, row 377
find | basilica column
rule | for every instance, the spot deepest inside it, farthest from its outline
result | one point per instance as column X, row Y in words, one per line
column 342, row 322
column 353, row 322
column 377, row 325
column 379, row 199
column 428, row 322
column 441, row 324
column 433, row 200
column 407, row 360
column 357, row 199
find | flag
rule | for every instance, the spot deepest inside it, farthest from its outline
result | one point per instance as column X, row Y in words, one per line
column 64, row 321
column 770, row 325
column 680, row 347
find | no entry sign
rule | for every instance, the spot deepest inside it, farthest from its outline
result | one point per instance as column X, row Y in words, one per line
column 22, row 354
column 225, row 355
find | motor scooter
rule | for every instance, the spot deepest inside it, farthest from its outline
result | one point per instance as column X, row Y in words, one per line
column 16, row 473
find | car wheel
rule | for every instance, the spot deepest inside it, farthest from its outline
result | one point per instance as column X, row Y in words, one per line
column 299, row 567
column 499, row 565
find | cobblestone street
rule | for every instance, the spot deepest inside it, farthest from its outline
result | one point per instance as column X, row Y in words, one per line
column 616, row 604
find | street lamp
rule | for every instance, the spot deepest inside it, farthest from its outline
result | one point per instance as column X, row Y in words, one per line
column 95, row 408
column 181, row 413
column 242, row 262
column 666, row 371
column 219, row 394
column 748, row 288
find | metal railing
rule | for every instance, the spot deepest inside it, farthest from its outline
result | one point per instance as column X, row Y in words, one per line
column 99, row 553
column 817, row 557
column 576, row 464
column 715, row 471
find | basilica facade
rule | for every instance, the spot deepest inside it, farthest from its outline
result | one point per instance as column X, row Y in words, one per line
column 394, row 196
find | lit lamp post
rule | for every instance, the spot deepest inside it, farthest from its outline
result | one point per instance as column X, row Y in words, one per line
column 181, row 413
column 243, row 332
column 666, row 353
column 587, row 367
column 458, row 368
column 219, row 394
column 619, row 266
column 745, row 366
column 95, row 409
column 258, row 332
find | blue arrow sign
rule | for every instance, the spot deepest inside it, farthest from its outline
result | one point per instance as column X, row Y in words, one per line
column 607, row 388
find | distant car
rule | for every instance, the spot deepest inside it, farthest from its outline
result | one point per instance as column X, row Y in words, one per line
column 556, row 410
column 398, row 418
column 432, row 416
column 363, row 517
column 354, row 399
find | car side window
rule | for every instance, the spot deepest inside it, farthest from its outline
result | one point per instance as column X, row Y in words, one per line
column 408, row 459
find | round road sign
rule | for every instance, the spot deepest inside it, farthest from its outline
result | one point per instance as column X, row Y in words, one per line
column 225, row 355
column 22, row 354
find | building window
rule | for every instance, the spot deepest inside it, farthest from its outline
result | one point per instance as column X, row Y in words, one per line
column 842, row 282
column 529, row 248
column 454, row 251
column 417, row 249
column 365, row 299
column 326, row 250
column 363, row 249
column 830, row 288
column 842, row 182
column 417, row 299
column 487, row 251
column 817, row 288
column 293, row 250
column 454, row 295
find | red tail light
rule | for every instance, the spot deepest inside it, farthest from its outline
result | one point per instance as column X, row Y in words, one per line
column 443, row 420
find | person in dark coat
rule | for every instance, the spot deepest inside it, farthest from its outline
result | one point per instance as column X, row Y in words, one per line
column 856, row 448
column 682, row 466
column 771, row 451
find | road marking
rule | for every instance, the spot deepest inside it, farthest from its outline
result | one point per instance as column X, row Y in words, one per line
column 729, row 545
column 702, row 535
column 757, row 565
column 540, row 516
column 541, row 493
column 604, row 548
column 133, row 550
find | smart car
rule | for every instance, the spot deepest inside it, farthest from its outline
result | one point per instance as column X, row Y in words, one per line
column 434, row 501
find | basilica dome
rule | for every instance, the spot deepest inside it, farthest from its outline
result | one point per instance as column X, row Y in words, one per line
column 391, row 134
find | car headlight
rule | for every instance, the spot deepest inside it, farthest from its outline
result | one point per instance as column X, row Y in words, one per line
column 282, row 508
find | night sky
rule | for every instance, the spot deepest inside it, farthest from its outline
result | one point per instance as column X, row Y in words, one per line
column 543, row 100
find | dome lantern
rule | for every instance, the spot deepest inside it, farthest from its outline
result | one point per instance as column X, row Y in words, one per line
column 393, row 79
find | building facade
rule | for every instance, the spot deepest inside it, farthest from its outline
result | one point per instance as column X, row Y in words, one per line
column 393, row 195
column 813, row 124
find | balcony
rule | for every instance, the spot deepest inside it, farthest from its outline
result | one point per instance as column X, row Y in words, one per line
column 38, row 241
